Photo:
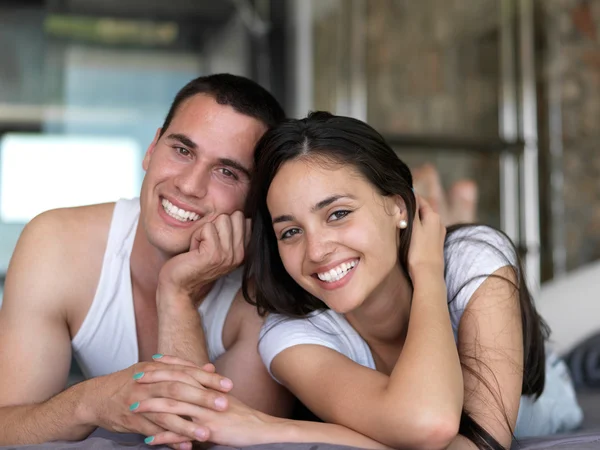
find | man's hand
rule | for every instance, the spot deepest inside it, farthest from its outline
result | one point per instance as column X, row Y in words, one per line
column 216, row 249
column 117, row 398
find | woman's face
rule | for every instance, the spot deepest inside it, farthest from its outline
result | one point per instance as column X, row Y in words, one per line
column 337, row 235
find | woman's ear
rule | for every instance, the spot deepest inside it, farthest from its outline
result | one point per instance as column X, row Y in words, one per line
column 400, row 212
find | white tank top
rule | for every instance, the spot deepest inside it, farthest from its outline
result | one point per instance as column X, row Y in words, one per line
column 107, row 340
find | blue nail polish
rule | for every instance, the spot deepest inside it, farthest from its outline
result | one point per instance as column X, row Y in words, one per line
column 134, row 406
column 138, row 375
column 157, row 356
column 149, row 439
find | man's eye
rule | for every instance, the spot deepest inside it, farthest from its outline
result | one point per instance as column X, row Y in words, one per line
column 228, row 173
column 290, row 233
column 182, row 151
column 337, row 215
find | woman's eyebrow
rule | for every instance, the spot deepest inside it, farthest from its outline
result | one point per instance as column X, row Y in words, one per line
column 329, row 200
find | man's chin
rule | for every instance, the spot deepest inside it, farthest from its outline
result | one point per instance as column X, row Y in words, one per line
column 169, row 245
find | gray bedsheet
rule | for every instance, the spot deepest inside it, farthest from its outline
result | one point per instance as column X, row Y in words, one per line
column 101, row 440
column 587, row 438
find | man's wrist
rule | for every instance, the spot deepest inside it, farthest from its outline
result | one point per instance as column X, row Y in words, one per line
column 175, row 297
column 83, row 405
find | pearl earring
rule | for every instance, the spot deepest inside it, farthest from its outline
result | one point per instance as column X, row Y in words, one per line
column 403, row 224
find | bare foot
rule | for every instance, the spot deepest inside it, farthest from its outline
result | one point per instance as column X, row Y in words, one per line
column 427, row 183
column 462, row 199
column 458, row 205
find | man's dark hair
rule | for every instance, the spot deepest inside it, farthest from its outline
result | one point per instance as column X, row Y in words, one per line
column 242, row 94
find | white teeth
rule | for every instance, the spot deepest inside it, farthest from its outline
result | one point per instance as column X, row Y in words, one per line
column 337, row 273
column 178, row 213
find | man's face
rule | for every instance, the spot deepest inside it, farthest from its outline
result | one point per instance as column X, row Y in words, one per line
column 198, row 169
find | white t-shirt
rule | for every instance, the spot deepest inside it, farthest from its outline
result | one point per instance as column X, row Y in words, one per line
column 471, row 254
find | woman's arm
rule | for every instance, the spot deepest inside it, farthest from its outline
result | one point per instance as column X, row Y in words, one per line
column 241, row 426
column 490, row 344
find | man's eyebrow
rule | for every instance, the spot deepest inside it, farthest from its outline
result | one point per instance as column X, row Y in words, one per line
column 235, row 165
column 183, row 139
column 285, row 218
column 329, row 200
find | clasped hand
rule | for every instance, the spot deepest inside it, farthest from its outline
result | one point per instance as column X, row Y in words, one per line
column 147, row 398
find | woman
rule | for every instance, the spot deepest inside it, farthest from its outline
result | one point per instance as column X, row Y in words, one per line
column 380, row 321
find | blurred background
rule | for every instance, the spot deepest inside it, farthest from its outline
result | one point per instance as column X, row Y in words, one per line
column 503, row 92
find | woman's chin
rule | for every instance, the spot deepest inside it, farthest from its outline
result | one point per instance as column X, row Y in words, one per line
column 343, row 307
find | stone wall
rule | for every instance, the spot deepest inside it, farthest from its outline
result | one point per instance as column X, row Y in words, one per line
column 433, row 69
column 570, row 64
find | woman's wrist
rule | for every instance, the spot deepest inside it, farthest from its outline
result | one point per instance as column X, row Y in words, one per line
column 426, row 273
column 277, row 429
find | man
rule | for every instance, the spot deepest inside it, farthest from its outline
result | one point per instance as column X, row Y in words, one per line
column 117, row 283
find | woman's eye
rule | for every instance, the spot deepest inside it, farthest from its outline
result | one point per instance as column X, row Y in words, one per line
column 289, row 233
column 182, row 151
column 337, row 215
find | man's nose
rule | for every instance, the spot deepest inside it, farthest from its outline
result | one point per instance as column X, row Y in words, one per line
column 193, row 181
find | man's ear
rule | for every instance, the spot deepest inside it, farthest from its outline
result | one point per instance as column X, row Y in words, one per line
column 150, row 150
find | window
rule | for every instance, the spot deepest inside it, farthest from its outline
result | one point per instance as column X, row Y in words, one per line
column 40, row 172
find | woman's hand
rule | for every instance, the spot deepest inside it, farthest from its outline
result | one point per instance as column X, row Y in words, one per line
column 426, row 251
column 239, row 426
column 206, row 389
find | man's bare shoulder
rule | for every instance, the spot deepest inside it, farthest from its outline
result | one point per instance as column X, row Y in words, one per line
column 62, row 250
column 80, row 221
column 69, row 232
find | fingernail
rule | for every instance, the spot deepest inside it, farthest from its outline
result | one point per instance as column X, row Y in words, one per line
column 226, row 383
column 200, row 433
column 138, row 375
column 221, row 403
column 149, row 440
column 134, row 406
column 157, row 356
column 185, row 446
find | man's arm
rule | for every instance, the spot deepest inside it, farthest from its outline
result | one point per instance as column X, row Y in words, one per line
column 180, row 331
column 216, row 249
column 35, row 353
